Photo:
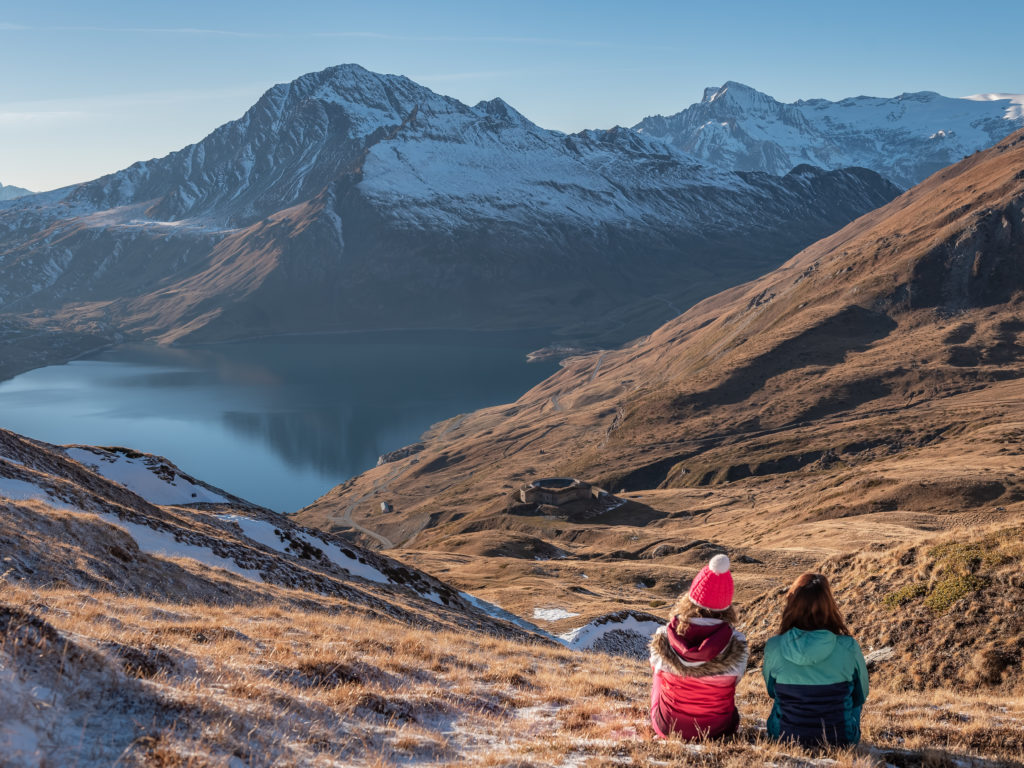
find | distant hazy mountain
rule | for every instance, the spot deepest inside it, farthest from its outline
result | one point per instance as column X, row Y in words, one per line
column 348, row 199
column 9, row 192
column 906, row 138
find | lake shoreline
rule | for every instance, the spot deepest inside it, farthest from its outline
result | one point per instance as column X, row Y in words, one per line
column 278, row 421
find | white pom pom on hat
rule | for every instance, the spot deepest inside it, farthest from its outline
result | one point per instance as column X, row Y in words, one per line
column 712, row 588
column 719, row 564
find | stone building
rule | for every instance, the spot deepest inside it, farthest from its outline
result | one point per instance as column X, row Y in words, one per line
column 555, row 491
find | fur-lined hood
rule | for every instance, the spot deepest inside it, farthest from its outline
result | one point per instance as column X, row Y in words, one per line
column 731, row 661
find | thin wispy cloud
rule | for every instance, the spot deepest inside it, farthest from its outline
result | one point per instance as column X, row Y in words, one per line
column 382, row 36
column 465, row 39
column 191, row 31
column 456, row 76
column 35, row 118
column 188, row 31
column 81, row 107
column 496, row 39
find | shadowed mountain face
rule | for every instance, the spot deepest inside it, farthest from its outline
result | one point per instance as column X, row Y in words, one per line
column 906, row 138
column 352, row 200
column 878, row 372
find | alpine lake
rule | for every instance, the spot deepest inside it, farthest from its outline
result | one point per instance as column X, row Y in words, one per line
column 278, row 421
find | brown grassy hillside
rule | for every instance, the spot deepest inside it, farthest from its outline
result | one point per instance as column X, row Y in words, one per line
column 824, row 359
column 227, row 649
column 101, row 679
column 116, row 653
column 945, row 611
column 869, row 391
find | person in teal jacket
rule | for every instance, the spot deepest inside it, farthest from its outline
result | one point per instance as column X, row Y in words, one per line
column 814, row 670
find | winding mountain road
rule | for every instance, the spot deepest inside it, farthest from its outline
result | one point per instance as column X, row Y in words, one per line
column 345, row 518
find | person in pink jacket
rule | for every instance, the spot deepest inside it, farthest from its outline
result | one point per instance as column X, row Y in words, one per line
column 698, row 659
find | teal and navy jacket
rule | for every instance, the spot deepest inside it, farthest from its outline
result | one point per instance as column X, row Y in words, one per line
column 819, row 682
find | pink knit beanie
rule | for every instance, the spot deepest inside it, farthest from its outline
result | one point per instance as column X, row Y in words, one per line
column 712, row 587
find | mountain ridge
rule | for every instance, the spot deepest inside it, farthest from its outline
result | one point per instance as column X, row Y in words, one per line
column 348, row 200
column 904, row 138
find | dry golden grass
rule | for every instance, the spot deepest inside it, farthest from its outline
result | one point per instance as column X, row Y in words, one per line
column 948, row 608
column 276, row 685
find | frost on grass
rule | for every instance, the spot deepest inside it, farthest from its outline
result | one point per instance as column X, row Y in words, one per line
column 61, row 703
column 91, row 677
column 110, row 655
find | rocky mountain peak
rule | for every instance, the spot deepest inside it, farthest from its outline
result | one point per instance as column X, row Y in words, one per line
column 10, row 192
column 919, row 96
column 296, row 139
column 733, row 91
column 364, row 94
column 736, row 98
column 500, row 110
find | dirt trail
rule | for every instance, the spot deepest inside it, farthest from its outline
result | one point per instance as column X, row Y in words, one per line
column 345, row 518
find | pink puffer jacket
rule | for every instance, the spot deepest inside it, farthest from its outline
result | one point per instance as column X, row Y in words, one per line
column 696, row 664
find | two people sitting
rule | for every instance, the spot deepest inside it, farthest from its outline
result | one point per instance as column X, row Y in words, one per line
column 813, row 668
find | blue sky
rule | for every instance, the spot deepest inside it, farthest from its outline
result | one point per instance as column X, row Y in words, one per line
column 89, row 88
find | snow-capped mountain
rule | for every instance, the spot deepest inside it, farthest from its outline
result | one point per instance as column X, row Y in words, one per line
column 9, row 192
column 905, row 138
column 349, row 199
column 403, row 142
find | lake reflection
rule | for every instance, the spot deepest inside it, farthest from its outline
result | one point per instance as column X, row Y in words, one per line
column 277, row 421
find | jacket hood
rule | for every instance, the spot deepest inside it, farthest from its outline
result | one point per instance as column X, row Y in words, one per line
column 807, row 648
column 698, row 641
column 731, row 661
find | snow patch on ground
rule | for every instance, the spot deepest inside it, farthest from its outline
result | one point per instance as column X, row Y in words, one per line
column 22, row 490
column 552, row 614
column 152, row 479
column 498, row 612
column 585, row 637
column 623, row 632
column 290, row 543
column 163, row 543
column 19, row 743
column 149, row 540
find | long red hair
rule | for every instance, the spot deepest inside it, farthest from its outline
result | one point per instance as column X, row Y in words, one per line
column 810, row 606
